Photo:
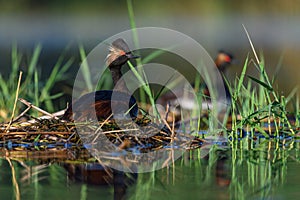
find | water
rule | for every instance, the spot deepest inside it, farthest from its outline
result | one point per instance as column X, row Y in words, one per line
column 265, row 172
column 252, row 170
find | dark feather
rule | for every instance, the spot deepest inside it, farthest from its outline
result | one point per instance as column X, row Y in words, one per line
column 121, row 44
column 99, row 104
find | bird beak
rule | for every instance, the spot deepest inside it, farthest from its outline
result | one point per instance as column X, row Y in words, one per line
column 131, row 56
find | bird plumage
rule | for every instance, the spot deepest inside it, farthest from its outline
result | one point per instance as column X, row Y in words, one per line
column 99, row 104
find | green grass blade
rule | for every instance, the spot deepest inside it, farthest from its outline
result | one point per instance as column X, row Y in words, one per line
column 241, row 79
column 15, row 59
column 36, row 89
column 85, row 69
column 265, row 85
column 291, row 95
column 33, row 63
column 132, row 23
column 277, row 69
column 153, row 55
column 145, row 86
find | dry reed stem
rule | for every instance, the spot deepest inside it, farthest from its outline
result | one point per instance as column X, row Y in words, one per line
column 251, row 44
column 37, row 108
column 37, row 133
column 15, row 103
column 14, row 179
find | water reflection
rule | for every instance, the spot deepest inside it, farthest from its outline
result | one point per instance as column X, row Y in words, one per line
column 223, row 174
column 96, row 174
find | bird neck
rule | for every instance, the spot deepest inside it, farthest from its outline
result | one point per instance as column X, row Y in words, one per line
column 222, row 67
column 119, row 83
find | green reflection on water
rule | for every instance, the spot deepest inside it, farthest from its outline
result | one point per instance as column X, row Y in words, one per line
column 267, row 171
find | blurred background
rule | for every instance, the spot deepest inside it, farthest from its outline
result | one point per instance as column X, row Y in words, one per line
column 59, row 26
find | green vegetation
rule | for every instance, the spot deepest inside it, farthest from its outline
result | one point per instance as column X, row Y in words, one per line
column 261, row 105
column 254, row 101
column 32, row 89
column 239, row 173
column 251, row 164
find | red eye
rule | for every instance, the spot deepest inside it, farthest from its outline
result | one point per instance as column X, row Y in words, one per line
column 122, row 53
column 227, row 59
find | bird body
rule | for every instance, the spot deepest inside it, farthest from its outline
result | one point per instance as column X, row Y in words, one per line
column 185, row 99
column 99, row 104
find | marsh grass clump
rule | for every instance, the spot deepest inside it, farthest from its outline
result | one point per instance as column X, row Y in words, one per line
column 32, row 88
column 257, row 107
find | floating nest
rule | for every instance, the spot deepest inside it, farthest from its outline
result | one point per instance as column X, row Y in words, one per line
column 52, row 133
column 49, row 133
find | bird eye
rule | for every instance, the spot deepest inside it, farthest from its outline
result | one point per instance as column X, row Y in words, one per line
column 122, row 53
column 227, row 59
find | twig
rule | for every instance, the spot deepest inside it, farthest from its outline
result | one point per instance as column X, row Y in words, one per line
column 15, row 104
column 37, row 133
column 168, row 126
column 37, row 108
column 69, row 138
column 99, row 128
column 120, row 131
column 22, row 114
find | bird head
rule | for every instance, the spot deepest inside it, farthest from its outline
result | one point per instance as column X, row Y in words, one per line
column 119, row 54
column 223, row 60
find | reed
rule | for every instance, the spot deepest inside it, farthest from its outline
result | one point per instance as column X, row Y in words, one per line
column 31, row 88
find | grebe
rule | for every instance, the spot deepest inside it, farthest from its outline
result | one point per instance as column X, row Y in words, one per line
column 100, row 102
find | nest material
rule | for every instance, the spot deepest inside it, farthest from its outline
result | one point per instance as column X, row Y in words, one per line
column 56, row 134
column 51, row 134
